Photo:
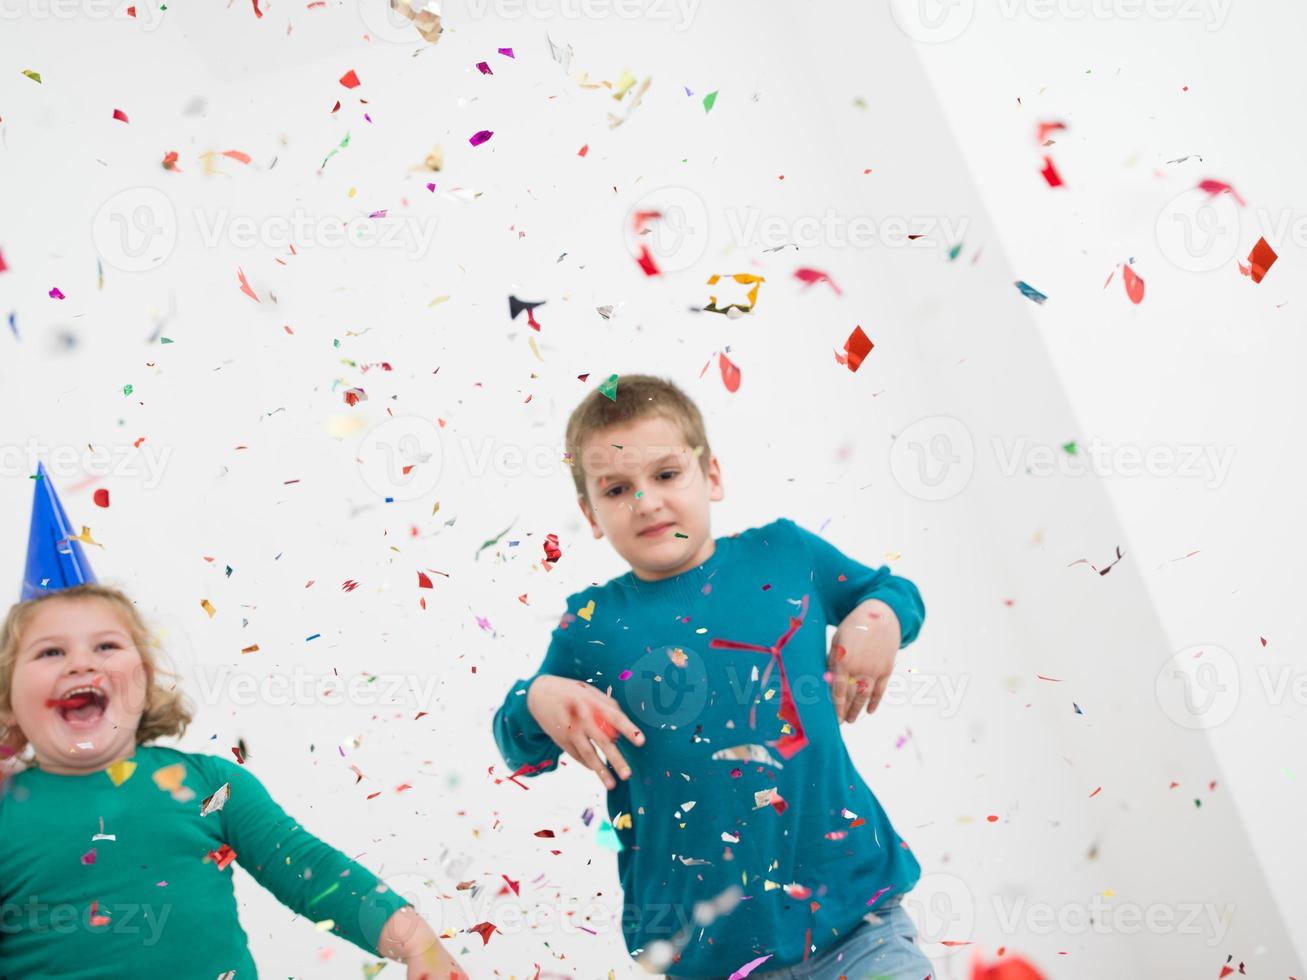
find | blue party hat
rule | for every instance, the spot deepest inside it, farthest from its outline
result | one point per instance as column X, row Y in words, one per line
column 55, row 559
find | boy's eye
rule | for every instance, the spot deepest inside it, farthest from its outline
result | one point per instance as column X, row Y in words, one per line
column 672, row 473
column 612, row 491
column 107, row 645
column 49, row 651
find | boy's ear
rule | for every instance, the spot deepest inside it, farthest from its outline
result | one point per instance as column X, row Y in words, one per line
column 589, row 516
column 715, row 489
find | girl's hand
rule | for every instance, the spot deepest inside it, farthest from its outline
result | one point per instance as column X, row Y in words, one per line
column 407, row 937
column 862, row 658
column 580, row 718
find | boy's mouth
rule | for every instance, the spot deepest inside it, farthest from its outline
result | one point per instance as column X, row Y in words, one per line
column 81, row 707
column 656, row 531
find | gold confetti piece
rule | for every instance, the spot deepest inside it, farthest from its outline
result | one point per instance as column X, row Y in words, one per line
column 172, row 779
column 33, row 75
column 678, row 657
column 624, row 83
column 438, row 300
column 534, row 349
column 207, row 606
column 586, row 611
column 121, row 771
column 622, row 822
column 254, row 648
column 326, row 925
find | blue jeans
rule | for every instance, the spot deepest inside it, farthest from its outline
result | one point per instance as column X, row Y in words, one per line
column 881, row 951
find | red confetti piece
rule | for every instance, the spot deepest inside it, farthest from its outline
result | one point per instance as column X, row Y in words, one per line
column 96, row 918
column 992, row 818
column 484, row 68
column 810, row 276
column 89, row 857
column 1260, row 260
column 793, row 742
column 101, row 497
column 552, row 551
column 1095, row 792
column 349, row 585
column 223, row 856
column 856, row 348
column 120, row 115
column 1050, row 173
column 584, row 150
column 1009, row 968
column 484, row 930
column 1134, row 286
column 1041, row 134
column 424, row 581
column 730, row 374
column 237, row 155
column 245, row 285
column 350, row 79
column 236, row 751
column 476, row 139
column 3, row 267
column 515, row 885
column 544, row 833
column 258, row 14
column 170, row 161
column 1214, row 187
column 647, row 263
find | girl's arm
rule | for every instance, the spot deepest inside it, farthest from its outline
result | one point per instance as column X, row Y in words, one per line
column 312, row 878
column 407, row 938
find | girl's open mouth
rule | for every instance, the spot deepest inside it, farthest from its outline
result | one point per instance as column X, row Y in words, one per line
column 82, row 707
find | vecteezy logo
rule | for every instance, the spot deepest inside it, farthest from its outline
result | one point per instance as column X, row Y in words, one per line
column 668, row 687
column 1198, row 231
column 136, row 229
column 401, row 458
column 932, row 21
column 933, row 458
column 1199, row 686
column 943, row 909
column 667, row 230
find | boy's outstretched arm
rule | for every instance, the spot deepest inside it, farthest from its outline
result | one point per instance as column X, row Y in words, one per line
column 408, row 938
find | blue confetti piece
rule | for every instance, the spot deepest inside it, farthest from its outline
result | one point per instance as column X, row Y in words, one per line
column 313, row 637
column 1030, row 292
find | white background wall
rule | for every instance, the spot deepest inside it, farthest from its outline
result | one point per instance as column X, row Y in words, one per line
column 819, row 93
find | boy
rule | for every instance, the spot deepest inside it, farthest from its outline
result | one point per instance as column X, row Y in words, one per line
column 748, row 837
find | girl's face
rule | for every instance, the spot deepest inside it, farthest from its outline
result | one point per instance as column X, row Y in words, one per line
column 79, row 686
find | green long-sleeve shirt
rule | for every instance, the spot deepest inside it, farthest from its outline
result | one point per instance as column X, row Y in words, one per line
column 726, row 791
column 99, row 880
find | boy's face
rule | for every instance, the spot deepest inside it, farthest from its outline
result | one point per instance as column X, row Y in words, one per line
column 647, row 491
column 79, row 686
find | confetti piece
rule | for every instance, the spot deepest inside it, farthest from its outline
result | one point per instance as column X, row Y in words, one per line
column 223, row 856
column 506, row 52
column 730, row 373
column 1050, row 173
column 749, row 967
column 172, row 779
column 552, row 551
column 119, row 115
column 245, row 285
column 517, row 306
column 207, row 606
column 33, row 75
column 586, row 611
column 57, row 293
column 350, row 79
column 343, row 143
column 121, row 771
column 4, row 268
column 1134, row 286
column 743, row 279
column 170, row 162
column 1214, row 187
column 1030, row 292
column 424, row 581
column 709, row 101
column 89, row 857
column 811, row 276
column 101, row 497
column 585, row 148
column 856, row 348
column 747, row 753
column 484, row 68
column 606, row 837
column 216, row 801
column 1260, row 260
column 477, row 138
column 609, row 388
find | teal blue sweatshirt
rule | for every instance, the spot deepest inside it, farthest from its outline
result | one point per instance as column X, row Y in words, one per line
column 117, row 873
column 724, row 792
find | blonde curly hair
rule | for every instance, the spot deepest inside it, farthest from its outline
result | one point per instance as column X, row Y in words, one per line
column 166, row 710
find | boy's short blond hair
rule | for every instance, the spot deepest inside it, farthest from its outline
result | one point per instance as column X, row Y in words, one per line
column 638, row 396
column 166, row 711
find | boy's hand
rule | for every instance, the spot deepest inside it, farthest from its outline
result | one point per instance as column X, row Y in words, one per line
column 862, row 658
column 580, row 718
column 407, row 937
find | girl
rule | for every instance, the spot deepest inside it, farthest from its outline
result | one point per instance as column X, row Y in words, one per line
column 114, row 852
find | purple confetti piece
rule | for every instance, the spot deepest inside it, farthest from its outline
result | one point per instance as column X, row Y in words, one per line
column 687, row 90
column 378, row 214
column 749, row 967
column 478, row 138
column 624, row 675
column 432, row 188
column 56, row 293
column 506, row 52
column 484, row 68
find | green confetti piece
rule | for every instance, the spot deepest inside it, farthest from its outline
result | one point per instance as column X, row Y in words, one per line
column 334, row 886
column 708, row 101
column 127, row 390
column 607, row 838
column 343, row 143
column 953, row 252
column 165, row 340
column 33, row 75
column 609, row 388
column 1070, row 448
